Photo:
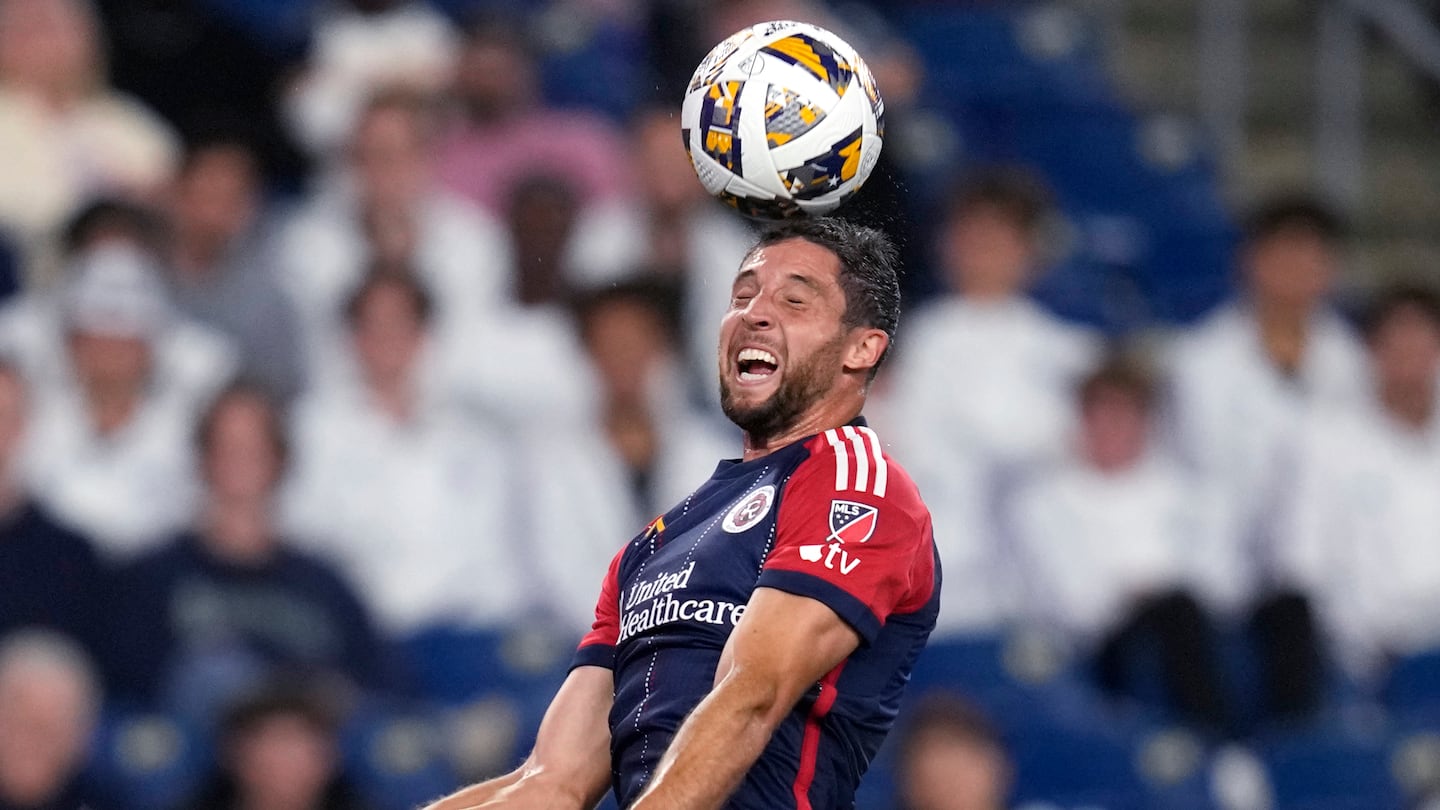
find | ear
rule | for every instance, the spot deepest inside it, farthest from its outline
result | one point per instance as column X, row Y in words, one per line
column 865, row 349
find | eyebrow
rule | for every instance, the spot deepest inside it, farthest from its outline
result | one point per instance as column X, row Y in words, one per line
column 746, row 275
column 806, row 280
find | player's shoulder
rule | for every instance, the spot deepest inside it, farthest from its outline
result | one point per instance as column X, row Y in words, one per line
column 852, row 458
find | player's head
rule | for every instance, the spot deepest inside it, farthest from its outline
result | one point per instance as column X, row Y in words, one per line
column 629, row 331
column 216, row 196
column 820, row 300
column 389, row 317
column 951, row 758
column 1116, row 402
column 1291, row 253
column 242, row 443
column 390, row 149
column 279, row 747
column 49, row 697
column 989, row 242
column 1402, row 329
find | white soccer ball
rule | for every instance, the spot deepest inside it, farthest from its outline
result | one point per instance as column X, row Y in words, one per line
column 782, row 119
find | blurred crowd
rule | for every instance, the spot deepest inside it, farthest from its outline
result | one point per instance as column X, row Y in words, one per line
column 328, row 325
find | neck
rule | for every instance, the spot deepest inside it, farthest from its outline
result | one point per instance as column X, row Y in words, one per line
column 112, row 406
column 195, row 257
column 824, row 415
column 238, row 529
column 12, row 495
column 1284, row 333
column 1412, row 405
column 394, row 395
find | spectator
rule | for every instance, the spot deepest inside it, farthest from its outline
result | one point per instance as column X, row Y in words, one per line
column 982, row 384
column 1121, row 552
column 49, row 575
column 671, row 224
column 360, row 47
column 388, row 211
column 117, row 381
column 49, row 700
column 221, row 261
column 951, row 757
column 1360, row 532
column 395, row 484
column 1244, row 378
column 503, row 133
column 64, row 135
column 228, row 601
column 665, row 446
column 278, row 751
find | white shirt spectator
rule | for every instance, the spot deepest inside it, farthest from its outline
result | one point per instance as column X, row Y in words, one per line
column 132, row 487
column 463, row 259
column 1089, row 544
column 354, row 54
column 444, row 521
column 1236, row 414
column 1361, row 532
column 520, row 366
column 417, row 514
column 980, row 392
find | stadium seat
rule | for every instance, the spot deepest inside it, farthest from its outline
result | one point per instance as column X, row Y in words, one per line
column 144, row 760
column 1413, row 687
column 1025, row 83
column 396, row 756
column 1331, row 766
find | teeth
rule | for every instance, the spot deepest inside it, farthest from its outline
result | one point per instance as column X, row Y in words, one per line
column 758, row 354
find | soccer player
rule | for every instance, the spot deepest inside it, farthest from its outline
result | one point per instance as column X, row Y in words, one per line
column 751, row 645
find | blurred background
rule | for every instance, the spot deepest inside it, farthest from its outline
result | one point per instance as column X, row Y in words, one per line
column 342, row 343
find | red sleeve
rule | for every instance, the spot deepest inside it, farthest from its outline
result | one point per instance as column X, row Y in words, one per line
column 597, row 648
column 852, row 533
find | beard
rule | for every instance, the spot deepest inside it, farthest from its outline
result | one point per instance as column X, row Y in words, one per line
column 805, row 383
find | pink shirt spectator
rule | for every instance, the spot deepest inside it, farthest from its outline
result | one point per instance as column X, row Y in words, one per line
column 585, row 150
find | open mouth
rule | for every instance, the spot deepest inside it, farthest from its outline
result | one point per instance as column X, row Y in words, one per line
column 756, row 364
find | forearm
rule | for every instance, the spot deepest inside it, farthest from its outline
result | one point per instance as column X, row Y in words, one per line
column 569, row 769
column 476, row 794
column 527, row 787
column 714, row 748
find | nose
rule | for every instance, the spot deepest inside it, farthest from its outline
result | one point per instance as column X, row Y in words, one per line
column 758, row 313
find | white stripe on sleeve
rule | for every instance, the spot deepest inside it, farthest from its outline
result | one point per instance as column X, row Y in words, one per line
column 842, row 460
column 862, row 459
column 882, row 467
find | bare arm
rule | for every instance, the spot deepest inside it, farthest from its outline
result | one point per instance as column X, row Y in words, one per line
column 783, row 645
column 570, row 766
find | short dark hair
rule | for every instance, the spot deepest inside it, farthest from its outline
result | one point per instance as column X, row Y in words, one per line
column 1294, row 211
column 1396, row 298
column 869, row 269
column 1017, row 193
column 651, row 290
column 102, row 215
column 944, row 711
column 1118, row 372
column 380, row 277
column 282, row 695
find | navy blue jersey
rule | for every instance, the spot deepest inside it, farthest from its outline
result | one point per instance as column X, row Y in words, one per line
column 831, row 518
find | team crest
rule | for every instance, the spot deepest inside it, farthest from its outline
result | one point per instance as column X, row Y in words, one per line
column 749, row 511
column 852, row 522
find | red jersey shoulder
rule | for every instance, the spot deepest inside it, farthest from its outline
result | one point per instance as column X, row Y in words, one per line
column 851, row 459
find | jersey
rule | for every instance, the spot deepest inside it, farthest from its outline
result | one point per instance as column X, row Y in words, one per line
column 831, row 518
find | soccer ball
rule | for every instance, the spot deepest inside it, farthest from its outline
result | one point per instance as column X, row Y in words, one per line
column 783, row 119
